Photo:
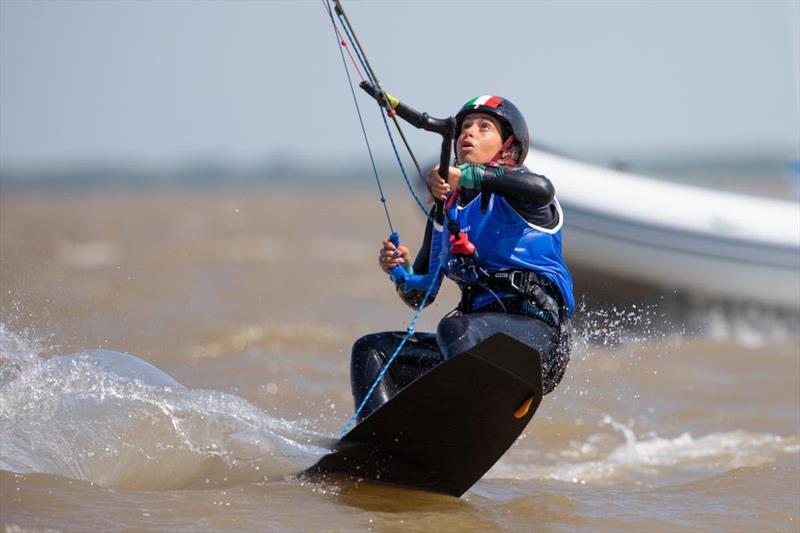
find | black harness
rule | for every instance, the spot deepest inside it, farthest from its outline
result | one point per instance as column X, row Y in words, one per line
column 527, row 292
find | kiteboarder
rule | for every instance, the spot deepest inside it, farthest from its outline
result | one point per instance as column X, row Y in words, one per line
column 510, row 269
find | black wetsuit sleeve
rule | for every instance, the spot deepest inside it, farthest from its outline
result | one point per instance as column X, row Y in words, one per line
column 422, row 260
column 520, row 185
column 531, row 195
column 421, row 266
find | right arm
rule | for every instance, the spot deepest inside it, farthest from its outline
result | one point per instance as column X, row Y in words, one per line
column 391, row 256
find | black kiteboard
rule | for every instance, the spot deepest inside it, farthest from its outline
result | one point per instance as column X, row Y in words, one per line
column 445, row 430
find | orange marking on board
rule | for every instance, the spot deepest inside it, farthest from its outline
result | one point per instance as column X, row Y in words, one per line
column 523, row 409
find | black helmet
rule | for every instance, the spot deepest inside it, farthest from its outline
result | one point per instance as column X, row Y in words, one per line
column 507, row 113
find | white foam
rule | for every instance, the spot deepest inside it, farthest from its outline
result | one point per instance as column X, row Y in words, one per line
column 593, row 461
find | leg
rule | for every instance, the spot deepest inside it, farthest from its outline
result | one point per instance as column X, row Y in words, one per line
column 372, row 352
column 460, row 332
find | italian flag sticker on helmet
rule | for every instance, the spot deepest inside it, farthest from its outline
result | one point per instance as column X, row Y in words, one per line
column 486, row 100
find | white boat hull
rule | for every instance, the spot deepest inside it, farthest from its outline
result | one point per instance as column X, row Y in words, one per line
column 712, row 243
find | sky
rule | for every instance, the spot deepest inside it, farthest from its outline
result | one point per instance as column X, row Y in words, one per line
column 247, row 81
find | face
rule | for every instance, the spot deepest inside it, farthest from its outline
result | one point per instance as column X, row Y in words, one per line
column 480, row 139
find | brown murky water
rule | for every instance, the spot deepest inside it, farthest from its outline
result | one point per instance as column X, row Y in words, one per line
column 251, row 300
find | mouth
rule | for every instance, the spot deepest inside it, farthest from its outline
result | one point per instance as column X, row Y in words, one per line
column 467, row 146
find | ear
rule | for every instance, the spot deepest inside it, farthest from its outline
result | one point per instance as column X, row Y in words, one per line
column 511, row 153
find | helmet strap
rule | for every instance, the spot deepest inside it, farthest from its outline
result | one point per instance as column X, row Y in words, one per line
column 501, row 158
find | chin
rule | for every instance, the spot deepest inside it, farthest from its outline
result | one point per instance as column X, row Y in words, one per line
column 469, row 158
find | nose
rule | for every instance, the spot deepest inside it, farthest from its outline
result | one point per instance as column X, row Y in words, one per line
column 468, row 130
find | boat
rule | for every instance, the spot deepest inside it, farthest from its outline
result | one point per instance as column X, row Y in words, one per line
column 717, row 244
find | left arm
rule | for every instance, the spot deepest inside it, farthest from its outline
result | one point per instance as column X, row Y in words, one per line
column 531, row 195
column 519, row 184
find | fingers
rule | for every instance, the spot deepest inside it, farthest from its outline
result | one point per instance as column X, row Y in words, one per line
column 454, row 177
column 391, row 255
column 432, row 176
column 440, row 187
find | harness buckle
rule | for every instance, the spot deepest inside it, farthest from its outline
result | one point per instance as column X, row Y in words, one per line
column 465, row 269
column 519, row 280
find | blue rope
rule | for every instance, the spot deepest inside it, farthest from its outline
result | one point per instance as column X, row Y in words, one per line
column 361, row 121
column 409, row 333
column 402, row 168
column 374, row 83
column 434, row 279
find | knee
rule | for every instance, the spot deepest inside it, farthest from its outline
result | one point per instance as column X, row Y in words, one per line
column 358, row 353
column 363, row 348
column 361, row 345
column 367, row 342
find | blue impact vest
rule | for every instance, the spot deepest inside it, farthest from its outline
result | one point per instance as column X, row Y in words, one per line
column 506, row 241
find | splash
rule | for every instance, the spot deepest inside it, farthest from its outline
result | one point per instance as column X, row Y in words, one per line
column 621, row 333
column 113, row 419
column 747, row 324
column 17, row 351
column 613, row 325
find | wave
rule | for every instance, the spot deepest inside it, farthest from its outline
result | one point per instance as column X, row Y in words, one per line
column 112, row 419
column 597, row 460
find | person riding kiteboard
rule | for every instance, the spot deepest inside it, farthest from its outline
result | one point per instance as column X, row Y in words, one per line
column 509, row 267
